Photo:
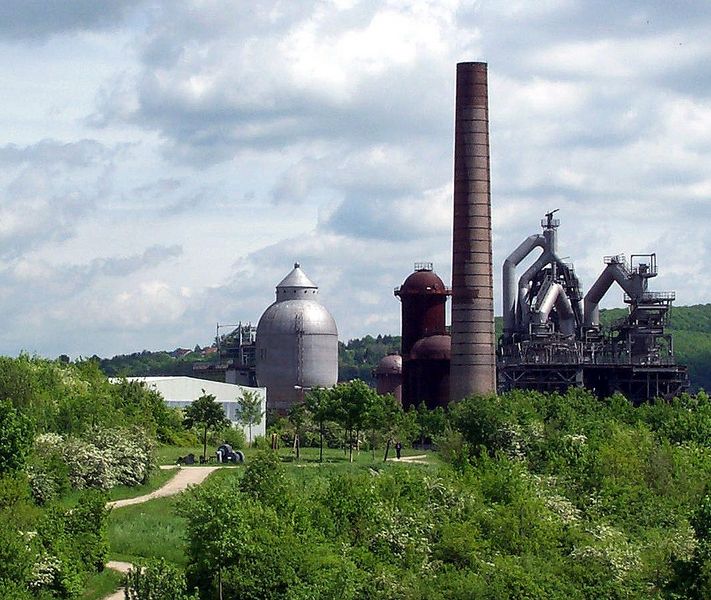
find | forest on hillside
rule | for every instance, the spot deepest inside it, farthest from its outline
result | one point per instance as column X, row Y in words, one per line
column 357, row 358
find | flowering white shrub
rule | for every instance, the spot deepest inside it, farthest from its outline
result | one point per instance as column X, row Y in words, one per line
column 516, row 440
column 88, row 466
column 109, row 457
column 42, row 484
column 128, row 452
column 611, row 548
column 45, row 572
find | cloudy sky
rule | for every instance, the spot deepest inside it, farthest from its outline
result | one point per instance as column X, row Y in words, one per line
column 164, row 162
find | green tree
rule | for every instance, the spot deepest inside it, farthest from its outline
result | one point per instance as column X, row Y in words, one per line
column 351, row 403
column 157, row 580
column 299, row 418
column 319, row 403
column 15, row 438
column 207, row 414
column 430, row 423
column 249, row 410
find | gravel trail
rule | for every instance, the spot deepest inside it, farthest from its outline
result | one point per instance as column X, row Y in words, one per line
column 183, row 478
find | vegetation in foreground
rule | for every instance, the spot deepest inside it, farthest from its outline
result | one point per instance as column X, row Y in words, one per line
column 541, row 496
column 537, row 496
column 69, row 442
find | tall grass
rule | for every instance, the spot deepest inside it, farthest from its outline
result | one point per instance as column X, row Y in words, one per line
column 100, row 585
column 148, row 530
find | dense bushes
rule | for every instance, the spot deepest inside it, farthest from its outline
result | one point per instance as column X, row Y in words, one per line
column 71, row 398
column 157, row 580
column 101, row 458
column 49, row 553
column 15, row 438
column 66, row 426
column 548, row 496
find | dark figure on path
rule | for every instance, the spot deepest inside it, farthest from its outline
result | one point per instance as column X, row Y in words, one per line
column 398, row 449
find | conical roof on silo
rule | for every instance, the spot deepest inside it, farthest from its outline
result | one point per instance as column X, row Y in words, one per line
column 296, row 286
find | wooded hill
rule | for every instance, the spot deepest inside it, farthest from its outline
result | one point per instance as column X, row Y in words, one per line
column 357, row 358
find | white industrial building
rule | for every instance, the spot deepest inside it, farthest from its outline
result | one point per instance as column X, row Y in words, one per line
column 179, row 392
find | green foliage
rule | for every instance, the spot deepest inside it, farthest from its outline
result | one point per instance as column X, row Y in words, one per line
column 15, row 438
column 66, row 398
column 234, row 436
column 264, row 481
column 249, row 410
column 49, row 553
column 553, row 496
column 85, row 526
column 146, row 363
column 207, row 414
column 350, row 405
column 358, row 358
column 157, row 580
column 101, row 458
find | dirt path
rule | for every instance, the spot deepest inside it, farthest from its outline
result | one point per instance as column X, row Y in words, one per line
column 420, row 459
column 182, row 479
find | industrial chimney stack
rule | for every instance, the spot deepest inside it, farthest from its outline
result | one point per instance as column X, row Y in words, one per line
column 473, row 364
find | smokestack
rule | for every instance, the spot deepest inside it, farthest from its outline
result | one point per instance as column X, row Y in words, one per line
column 473, row 366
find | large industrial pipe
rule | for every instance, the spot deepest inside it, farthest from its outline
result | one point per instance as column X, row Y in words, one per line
column 509, row 278
column 555, row 296
column 633, row 284
column 473, row 366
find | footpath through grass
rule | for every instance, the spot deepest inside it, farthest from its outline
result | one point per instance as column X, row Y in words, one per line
column 100, row 585
column 154, row 530
column 167, row 455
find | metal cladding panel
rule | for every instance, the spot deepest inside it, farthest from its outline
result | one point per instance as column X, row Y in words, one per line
column 297, row 349
column 473, row 366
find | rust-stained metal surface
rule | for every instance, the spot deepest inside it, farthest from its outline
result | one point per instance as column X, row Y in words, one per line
column 388, row 376
column 427, row 373
column 473, row 366
column 423, row 296
column 435, row 347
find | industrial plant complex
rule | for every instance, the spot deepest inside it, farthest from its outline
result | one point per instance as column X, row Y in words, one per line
column 552, row 336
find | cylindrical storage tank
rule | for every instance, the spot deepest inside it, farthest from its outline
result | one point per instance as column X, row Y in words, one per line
column 428, row 372
column 297, row 343
column 388, row 376
column 423, row 296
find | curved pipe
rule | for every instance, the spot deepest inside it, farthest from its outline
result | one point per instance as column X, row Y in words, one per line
column 555, row 296
column 509, row 277
column 633, row 285
column 524, row 284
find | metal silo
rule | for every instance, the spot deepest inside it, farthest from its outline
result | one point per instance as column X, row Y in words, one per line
column 427, row 373
column 423, row 296
column 388, row 376
column 297, row 343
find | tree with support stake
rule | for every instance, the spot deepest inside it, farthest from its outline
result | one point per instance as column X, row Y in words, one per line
column 207, row 413
column 318, row 403
column 249, row 410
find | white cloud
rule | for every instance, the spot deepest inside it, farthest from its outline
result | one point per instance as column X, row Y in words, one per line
column 165, row 163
